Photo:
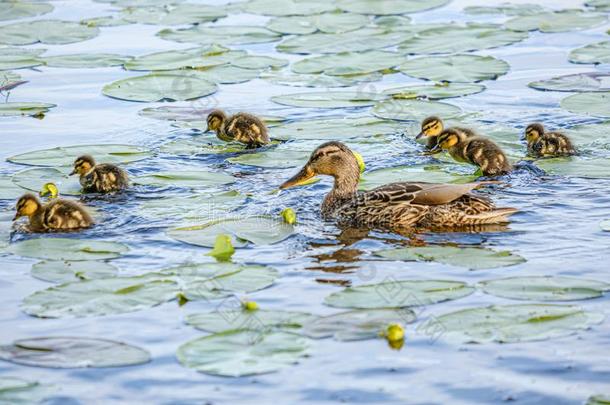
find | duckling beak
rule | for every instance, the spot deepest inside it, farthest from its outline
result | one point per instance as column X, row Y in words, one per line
column 17, row 216
column 73, row 172
column 301, row 177
column 420, row 135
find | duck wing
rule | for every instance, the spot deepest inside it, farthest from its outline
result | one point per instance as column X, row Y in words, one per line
column 419, row 193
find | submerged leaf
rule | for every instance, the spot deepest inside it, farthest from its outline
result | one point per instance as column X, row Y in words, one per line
column 185, row 178
column 15, row 391
column 596, row 104
column 67, row 271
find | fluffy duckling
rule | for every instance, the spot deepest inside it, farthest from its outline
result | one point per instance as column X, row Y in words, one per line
column 475, row 150
column 432, row 127
column 241, row 127
column 99, row 178
column 56, row 215
column 541, row 143
column 394, row 206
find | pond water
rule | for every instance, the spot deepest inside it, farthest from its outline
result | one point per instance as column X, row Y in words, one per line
column 557, row 231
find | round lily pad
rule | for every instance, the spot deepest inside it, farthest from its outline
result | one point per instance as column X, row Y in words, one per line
column 200, row 145
column 13, row 10
column 65, row 272
column 457, row 38
column 242, row 353
column 357, row 325
column 591, row 81
column 65, row 155
column 18, row 391
column 221, row 34
column 318, row 80
column 349, row 63
column 455, row 68
column 159, row 87
column 398, row 294
column 411, row 173
column 332, row 23
column 52, row 32
column 85, row 60
column 288, row 7
column 593, row 53
column 413, row 110
column 224, row 74
column 435, row 91
column 185, row 178
column 259, row 230
column 597, row 168
column 19, row 58
column 259, row 62
column 513, row 323
column 105, row 21
column 73, row 352
column 545, row 288
column 388, row 7
column 279, row 158
column 596, row 104
column 336, row 128
column 213, row 55
column 292, row 25
column 329, row 99
column 506, row 9
column 25, row 109
column 558, row 21
column 67, row 249
column 176, row 14
column 473, row 258
column 34, row 179
column 259, row 320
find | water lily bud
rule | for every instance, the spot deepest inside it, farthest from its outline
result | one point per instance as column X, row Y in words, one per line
column 223, row 248
column 289, row 216
column 360, row 160
column 250, row 306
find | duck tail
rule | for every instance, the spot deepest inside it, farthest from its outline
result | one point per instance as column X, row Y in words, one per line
column 494, row 216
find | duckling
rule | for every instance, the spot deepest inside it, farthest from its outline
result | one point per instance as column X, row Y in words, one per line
column 541, row 143
column 241, row 127
column 394, row 206
column 432, row 127
column 99, row 178
column 475, row 150
column 56, row 215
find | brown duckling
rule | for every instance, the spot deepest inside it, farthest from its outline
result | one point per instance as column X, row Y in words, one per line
column 432, row 127
column 476, row 150
column 541, row 143
column 56, row 215
column 394, row 206
column 241, row 127
column 99, row 178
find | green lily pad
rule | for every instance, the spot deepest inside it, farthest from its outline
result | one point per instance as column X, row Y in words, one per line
column 413, row 110
column 605, row 225
column 185, row 178
column 34, row 179
column 176, row 14
column 473, row 258
column 14, row 10
column 19, row 58
column 318, row 80
column 139, row 3
column 458, row 38
column 513, row 323
column 65, row 271
column 596, row 168
column 411, row 173
column 388, row 7
column 349, row 63
column 591, row 81
column 16, row 391
column 455, row 68
column 435, row 91
column 225, row 74
column 221, row 34
column 242, row 353
column 259, row 320
column 593, row 53
column 200, row 145
column 558, row 21
column 25, row 109
column 357, row 325
column 159, row 87
column 288, row 7
column 73, row 352
column 336, row 128
column 104, row 296
column 67, row 249
column 292, row 25
column 329, row 99
column 545, row 288
column 212, row 55
column 52, row 32
column 105, row 21
column 398, row 294
column 8, row 189
column 86, row 60
column 192, row 209
column 506, row 9
column 259, row 62
column 596, row 104
column 363, row 39
column 278, row 158
column 65, row 155
column 331, row 23
column 259, row 230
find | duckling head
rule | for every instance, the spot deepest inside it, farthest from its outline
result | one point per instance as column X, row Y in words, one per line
column 82, row 165
column 26, row 206
column 330, row 159
column 215, row 120
column 49, row 189
column 533, row 132
column 431, row 126
column 447, row 139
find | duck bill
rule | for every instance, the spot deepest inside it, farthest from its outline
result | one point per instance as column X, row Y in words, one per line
column 301, row 177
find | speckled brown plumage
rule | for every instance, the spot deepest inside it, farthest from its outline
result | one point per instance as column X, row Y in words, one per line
column 541, row 143
column 432, row 127
column 99, row 178
column 241, row 127
column 56, row 215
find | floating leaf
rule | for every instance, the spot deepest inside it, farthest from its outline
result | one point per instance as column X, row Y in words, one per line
column 192, row 208
column 225, row 74
column 243, row 319
column 298, row 25
column 65, row 271
column 329, row 99
column 212, row 55
column 596, row 104
column 593, row 53
column 6, row 224
column 597, row 168
column 473, row 258
column 259, row 62
column 34, row 179
column 139, row 3
column 73, row 352
column 411, row 173
column 336, row 128
column 357, row 325
column 242, row 353
column 349, row 63
column 67, row 249
column 86, row 60
column 591, row 81
column 105, row 21
column 288, row 7
column 185, row 178
column 558, row 21
column 52, row 32
column 332, row 23
column 276, row 158
column 599, row 400
column 413, row 110
column 506, row 9
column 513, row 323
column 221, row 34
column 65, row 155
column 545, row 288
column 159, row 87
column 398, row 294
column 455, row 68
column 388, row 7
column 25, row 109
column 8, row 189
column 318, row 80
column 202, row 144
column 17, row 391
column 13, row 10
column 434, row 91
column 177, row 14
column 19, row 58
column 259, row 230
